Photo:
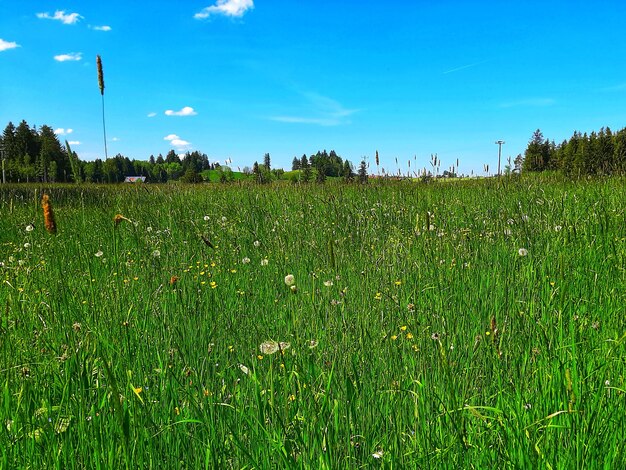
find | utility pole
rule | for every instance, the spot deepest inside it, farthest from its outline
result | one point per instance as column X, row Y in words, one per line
column 499, row 143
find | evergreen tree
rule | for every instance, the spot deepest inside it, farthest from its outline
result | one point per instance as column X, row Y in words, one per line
column 295, row 164
column 534, row 154
column 266, row 162
column 347, row 172
column 362, row 172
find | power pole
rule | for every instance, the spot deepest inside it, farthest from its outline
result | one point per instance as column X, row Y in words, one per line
column 499, row 143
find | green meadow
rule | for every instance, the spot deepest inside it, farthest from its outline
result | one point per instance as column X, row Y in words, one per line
column 473, row 324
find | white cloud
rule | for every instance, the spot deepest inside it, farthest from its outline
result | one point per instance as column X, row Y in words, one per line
column 463, row 67
column 60, row 15
column 115, row 139
column 177, row 142
column 235, row 8
column 61, row 131
column 6, row 45
column 186, row 111
column 101, row 28
column 328, row 112
column 531, row 102
column 620, row 87
column 74, row 142
column 72, row 56
column 151, row 115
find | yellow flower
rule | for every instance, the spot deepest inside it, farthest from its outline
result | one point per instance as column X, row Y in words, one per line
column 378, row 296
column 409, row 336
column 213, row 284
column 394, row 337
column 398, row 283
column 403, row 328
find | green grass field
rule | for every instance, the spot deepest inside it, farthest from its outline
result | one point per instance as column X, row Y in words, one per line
column 470, row 325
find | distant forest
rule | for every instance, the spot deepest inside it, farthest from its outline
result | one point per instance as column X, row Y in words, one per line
column 602, row 153
column 36, row 155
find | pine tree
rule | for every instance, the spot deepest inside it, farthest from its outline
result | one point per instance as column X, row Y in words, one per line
column 295, row 164
column 362, row 172
column 266, row 162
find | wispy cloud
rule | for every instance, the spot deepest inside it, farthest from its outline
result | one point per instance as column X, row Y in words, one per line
column 61, row 131
column 619, row 87
column 71, row 56
column 322, row 111
column 74, row 142
column 186, row 111
column 6, row 45
column 151, row 115
column 463, row 67
column 234, row 8
column 101, row 28
column 531, row 102
column 60, row 15
column 177, row 142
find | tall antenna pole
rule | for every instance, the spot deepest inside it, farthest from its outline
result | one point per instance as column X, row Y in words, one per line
column 499, row 143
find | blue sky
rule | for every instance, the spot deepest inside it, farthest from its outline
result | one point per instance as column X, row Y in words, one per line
column 239, row 78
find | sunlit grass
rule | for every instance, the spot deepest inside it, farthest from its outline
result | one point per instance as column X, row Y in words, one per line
column 464, row 325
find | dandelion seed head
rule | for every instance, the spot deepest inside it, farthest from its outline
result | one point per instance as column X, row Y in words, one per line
column 246, row 260
column 30, row 227
column 265, row 262
column 290, row 280
column 156, row 254
column 257, row 243
column 522, row 252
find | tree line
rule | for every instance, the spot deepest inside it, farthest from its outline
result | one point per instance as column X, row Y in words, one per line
column 601, row 153
column 34, row 154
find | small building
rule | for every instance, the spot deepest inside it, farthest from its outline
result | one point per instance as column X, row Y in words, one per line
column 135, row 179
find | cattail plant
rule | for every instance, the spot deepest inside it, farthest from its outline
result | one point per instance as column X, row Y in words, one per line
column 48, row 215
column 377, row 162
column 101, row 86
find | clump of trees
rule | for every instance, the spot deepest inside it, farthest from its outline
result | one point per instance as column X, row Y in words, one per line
column 36, row 155
column 33, row 154
column 601, row 153
column 325, row 165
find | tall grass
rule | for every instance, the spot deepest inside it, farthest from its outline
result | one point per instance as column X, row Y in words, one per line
column 459, row 325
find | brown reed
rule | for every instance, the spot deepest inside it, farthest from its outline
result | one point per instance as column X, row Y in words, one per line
column 48, row 215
